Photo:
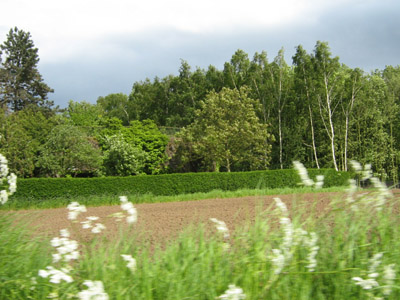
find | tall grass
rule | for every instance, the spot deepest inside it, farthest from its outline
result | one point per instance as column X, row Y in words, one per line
column 198, row 265
column 348, row 251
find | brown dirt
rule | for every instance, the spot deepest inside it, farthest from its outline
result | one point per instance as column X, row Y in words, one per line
column 160, row 222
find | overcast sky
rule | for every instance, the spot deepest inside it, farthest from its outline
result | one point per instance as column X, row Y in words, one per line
column 92, row 48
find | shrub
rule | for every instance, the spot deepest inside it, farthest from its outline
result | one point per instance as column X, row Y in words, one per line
column 36, row 189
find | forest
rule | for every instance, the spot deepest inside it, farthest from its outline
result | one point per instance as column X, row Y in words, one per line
column 255, row 113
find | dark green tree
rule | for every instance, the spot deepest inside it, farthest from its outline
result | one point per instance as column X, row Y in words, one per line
column 69, row 151
column 228, row 134
column 21, row 84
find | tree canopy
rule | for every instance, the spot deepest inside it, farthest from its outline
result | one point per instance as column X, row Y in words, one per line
column 227, row 132
column 21, row 84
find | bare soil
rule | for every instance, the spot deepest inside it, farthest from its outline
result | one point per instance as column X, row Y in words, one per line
column 161, row 222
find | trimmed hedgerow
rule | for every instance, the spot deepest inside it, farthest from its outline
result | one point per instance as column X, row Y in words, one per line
column 37, row 189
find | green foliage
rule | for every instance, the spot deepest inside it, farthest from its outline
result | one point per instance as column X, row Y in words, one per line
column 22, row 133
column 115, row 106
column 142, row 135
column 21, row 84
column 122, row 158
column 84, row 113
column 37, row 189
column 68, row 151
column 227, row 132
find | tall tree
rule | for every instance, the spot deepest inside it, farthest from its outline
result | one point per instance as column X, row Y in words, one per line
column 21, row 84
column 328, row 88
column 305, row 90
column 227, row 132
column 280, row 81
column 115, row 105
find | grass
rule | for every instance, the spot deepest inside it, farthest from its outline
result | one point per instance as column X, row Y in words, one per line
column 198, row 265
column 15, row 204
column 348, row 251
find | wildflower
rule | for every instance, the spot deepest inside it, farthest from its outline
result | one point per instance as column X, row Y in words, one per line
column 53, row 295
column 375, row 262
column 56, row 276
column 129, row 208
column 3, row 196
column 389, row 276
column 370, row 282
column 12, row 183
column 320, row 181
column 131, row 262
column 311, row 244
column 74, row 210
column 281, row 206
column 233, row 293
column 3, row 166
column 95, row 291
column 66, row 248
column 382, row 194
column 278, row 261
column 366, row 284
column 98, row 227
column 302, row 171
column 221, row 227
column 356, row 165
column 367, row 172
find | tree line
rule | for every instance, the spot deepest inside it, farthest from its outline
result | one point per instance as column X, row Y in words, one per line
column 254, row 113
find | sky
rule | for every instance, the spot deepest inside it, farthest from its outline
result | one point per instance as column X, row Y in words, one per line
column 92, row 48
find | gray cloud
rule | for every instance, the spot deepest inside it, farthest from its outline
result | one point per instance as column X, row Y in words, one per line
column 362, row 35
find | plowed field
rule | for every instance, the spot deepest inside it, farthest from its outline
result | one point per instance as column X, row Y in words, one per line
column 160, row 222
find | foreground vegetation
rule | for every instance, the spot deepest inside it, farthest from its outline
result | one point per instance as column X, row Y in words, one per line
column 349, row 251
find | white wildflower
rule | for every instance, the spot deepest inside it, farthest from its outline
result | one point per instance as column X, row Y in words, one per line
column 98, row 227
column 12, row 183
column 95, row 291
column 75, row 209
column 281, row 206
column 3, row 167
column 131, row 219
column 389, row 275
column 302, row 171
column 375, row 262
column 233, row 293
column 356, row 165
column 123, row 199
column 221, row 227
column 3, row 196
column 367, row 172
column 66, row 248
column 56, row 276
column 383, row 192
column 320, row 181
column 129, row 208
column 288, row 237
column 64, row 233
column 131, row 262
column 278, row 261
column 311, row 244
column 366, row 284
column 53, row 295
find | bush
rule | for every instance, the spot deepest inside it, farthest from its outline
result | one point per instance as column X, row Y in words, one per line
column 37, row 189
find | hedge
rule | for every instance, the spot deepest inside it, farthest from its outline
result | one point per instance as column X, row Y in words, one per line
column 37, row 189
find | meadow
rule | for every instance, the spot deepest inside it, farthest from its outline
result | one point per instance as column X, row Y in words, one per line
column 288, row 250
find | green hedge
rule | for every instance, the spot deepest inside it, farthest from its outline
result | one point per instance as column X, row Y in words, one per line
column 170, row 184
